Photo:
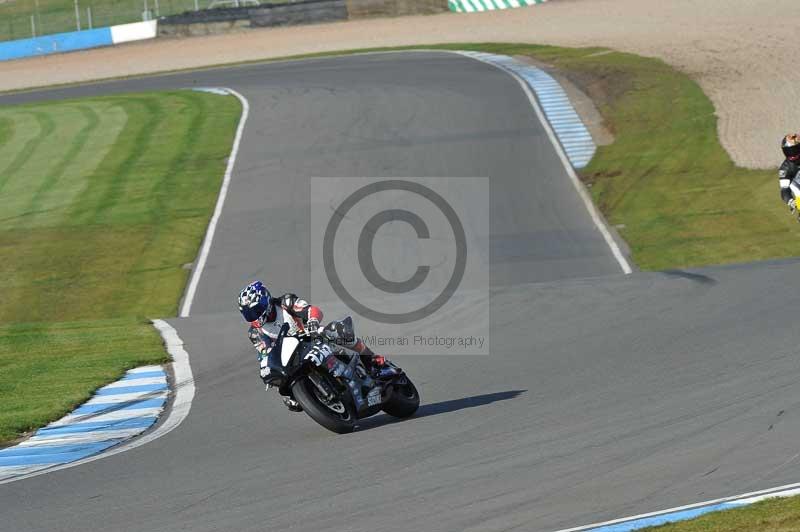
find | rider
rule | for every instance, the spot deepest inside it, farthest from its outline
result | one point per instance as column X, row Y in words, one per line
column 267, row 314
column 790, row 169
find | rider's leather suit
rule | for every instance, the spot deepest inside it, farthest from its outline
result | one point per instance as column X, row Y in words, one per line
column 787, row 173
column 297, row 312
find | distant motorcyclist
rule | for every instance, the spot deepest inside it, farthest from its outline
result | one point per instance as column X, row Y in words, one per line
column 267, row 315
column 789, row 173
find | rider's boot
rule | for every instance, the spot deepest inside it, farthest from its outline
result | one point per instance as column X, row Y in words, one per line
column 292, row 405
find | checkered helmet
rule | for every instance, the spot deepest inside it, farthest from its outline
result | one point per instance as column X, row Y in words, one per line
column 255, row 302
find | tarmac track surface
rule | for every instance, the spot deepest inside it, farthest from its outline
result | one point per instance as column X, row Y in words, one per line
column 605, row 395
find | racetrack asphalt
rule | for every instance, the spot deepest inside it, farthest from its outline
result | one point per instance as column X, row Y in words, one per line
column 604, row 395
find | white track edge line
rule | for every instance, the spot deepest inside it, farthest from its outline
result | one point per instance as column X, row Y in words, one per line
column 212, row 225
column 587, row 200
column 184, row 394
column 769, row 492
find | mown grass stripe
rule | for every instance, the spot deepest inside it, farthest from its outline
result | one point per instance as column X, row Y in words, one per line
column 57, row 203
column 6, row 129
column 194, row 112
column 144, row 119
column 104, row 260
column 57, row 171
column 45, row 127
column 164, row 190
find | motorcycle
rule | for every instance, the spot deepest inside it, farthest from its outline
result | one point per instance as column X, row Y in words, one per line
column 331, row 383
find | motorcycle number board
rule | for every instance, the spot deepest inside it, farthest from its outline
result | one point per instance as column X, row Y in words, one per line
column 374, row 397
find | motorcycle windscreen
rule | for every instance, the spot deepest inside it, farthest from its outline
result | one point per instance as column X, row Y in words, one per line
column 288, row 345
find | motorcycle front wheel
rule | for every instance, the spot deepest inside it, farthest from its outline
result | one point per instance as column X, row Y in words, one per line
column 336, row 416
column 404, row 400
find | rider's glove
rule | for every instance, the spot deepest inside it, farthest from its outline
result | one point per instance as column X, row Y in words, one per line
column 312, row 325
column 792, row 205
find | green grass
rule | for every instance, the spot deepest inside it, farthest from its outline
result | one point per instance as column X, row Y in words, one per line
column 47, row 369
column 105, row 200
column 771, row 515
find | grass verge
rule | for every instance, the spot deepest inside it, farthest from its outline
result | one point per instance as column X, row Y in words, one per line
column 105, row 200
column 771, row 515
column 48, row 369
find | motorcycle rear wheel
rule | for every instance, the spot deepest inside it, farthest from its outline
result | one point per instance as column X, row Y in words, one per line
column 330, row 417
column 404, row 400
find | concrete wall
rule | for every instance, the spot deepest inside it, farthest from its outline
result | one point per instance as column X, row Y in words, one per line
column 299, row 13
column 293, row 13
column 202, row 28
column 394, row 8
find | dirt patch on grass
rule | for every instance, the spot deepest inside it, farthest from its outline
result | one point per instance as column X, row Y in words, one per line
column 586, row 92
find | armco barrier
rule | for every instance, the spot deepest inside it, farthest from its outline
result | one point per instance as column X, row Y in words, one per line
column 77, row 40
column 59, row 42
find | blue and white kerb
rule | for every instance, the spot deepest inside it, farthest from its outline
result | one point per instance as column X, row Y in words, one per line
column 115, row 413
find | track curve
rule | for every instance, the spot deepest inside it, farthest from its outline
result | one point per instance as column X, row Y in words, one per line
column 604, row 395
